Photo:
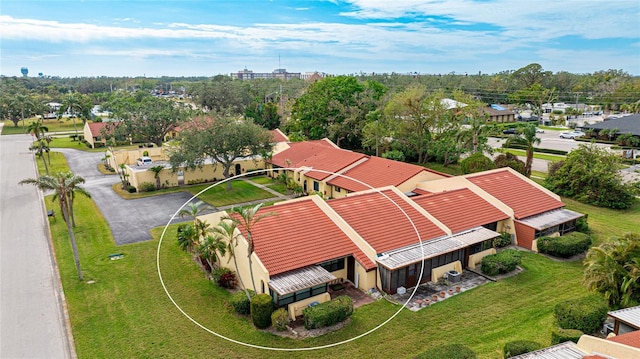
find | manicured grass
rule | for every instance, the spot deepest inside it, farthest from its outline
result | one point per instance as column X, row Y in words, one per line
column 541, row 156
column 605, row 222
column 218, row 196
column 52, row 125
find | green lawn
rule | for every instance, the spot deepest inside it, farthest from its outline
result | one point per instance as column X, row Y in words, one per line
column 538, row 155
column 53, row 126
column 606, row 222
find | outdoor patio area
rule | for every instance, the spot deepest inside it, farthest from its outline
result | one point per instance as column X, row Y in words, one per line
column 430, row 293
column 347, row 288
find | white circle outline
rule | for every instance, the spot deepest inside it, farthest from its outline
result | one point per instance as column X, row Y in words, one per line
column 255, row 346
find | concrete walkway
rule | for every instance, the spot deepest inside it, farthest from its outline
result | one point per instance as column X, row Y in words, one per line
column 33, row 322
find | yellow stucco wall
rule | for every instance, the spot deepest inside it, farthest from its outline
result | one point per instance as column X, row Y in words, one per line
column 87, row 134
column 438, row 272
column 476, row 259
column 296, row 308
column 366, row 280
column 591, row 344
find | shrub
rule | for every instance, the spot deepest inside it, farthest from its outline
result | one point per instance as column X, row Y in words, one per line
column 147, row 187
column 131, row 189
column 510, row 160
column 261, row 309
column 564, row 335
column 586, row 314
column 224, row 277
column 280, row 319
column 502, row 241
column 450, row 351
column 582, row 224
column 503, row 262
column 241, row 303
column 145, row 153
column 328, row 313
column 518, row 347
column 477, row 162
column 565, row 246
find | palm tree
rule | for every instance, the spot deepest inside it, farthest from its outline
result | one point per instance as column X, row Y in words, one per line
column 193, row 210
column 63, row 184
column 248, row 217
column 209, row 248
column 186, row 236
column 228, row 231
column 73, row 181
column 528, row 136
column 73, row 105
column 37, row 129
column 41, row 147
column 613, row 269
column 156, row 174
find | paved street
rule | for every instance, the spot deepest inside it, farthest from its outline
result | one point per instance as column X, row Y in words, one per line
column 32, row 323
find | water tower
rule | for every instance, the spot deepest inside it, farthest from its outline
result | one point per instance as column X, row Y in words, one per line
column 25, row 71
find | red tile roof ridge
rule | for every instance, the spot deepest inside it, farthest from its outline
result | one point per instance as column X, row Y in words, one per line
column 279, row 136
column 521, row 176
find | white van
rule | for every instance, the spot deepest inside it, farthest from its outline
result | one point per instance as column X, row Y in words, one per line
column 144, row 161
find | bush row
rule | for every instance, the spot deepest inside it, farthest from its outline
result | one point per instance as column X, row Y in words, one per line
column 537, row 149
column 565, row 246
column 328, row 313
column 240, row 302
column 503, row 262
column 518, row 347
column 564, row 335
column 585, row 314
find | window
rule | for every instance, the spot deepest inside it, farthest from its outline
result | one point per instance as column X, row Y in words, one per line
column 492, row 226
column 482, row 246
column 316, row 186
column 338, row 189
column 547, row 232
column 334, row 265
column 286, row 299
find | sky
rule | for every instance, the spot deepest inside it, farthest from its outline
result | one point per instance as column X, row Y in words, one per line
column 206, row 38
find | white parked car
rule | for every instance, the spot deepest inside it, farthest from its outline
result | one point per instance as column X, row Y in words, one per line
column 572, row 134
column 144, row 161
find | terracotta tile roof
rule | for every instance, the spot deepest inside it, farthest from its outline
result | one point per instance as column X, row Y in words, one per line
column 379, row 172
column 278, row 136
column 460, row 209
column 300, row 235
column 381, row 223
column 631, row 339
column 320, row 154
column 523, row 197
column 95, row 128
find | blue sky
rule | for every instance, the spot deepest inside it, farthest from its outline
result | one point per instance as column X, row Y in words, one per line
column 206, row 38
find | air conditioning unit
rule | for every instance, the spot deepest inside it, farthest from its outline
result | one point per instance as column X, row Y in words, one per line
column 607, row 328
column 453, row 276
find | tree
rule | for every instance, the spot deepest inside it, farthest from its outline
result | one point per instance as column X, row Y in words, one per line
column 534, row 96
column 613, row 269
column 590, row 175
column 210, row 248
column 222, row 140
column 156, row 174
column 227, row 231
column 37, row 129
column 527, row 136
column 413, row 114
column 530, row 75
column 41, row 146
column 508, row 159
column 76, row 105
column 147, row 118
column 63, row 185
column 247, row 218
column 263, row 114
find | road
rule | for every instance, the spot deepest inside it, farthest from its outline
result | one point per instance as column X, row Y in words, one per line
column 32, row 316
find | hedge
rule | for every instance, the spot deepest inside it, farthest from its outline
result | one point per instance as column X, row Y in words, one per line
column 328, row 313
column 565, row 246
column 241, row 303
column 261, row 309
column 477, row 162
column 503, row 262
column 536, row 149
column 564, row 335
column 147, row 187
column 518, row 347
column 280, row 319
column 450, row 351
column 586, row 314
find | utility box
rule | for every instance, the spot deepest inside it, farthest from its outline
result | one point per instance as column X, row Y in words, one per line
column 453, row 276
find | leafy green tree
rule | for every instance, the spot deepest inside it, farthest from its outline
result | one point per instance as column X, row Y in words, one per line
column 534, row 96
column 414, row 113
column 590, row 175
column 246, row 218
column 76, row 105
column 222, row 140
column 376, row 133
column 510, row 160
column 210, row 248
column 147, row 118
column 530, row 75
column 264, row 114
column 476, row 162
column 613, row 269
column 63, row 185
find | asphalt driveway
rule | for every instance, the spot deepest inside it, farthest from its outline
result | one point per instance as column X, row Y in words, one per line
column 130, row 220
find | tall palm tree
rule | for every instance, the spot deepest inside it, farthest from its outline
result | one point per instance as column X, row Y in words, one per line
column 62, row 186
column 228, row 231
column 528, row 136
column 209, row 248
column 72, row 103
column 37, row 129
column 40, row 146
column 247, row 217
column 73, row 181
column 156, row 174
column 193, row 210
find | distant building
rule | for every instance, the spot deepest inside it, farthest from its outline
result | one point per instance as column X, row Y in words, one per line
column 24, row 71
column 276, row 74
column 313, row 76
